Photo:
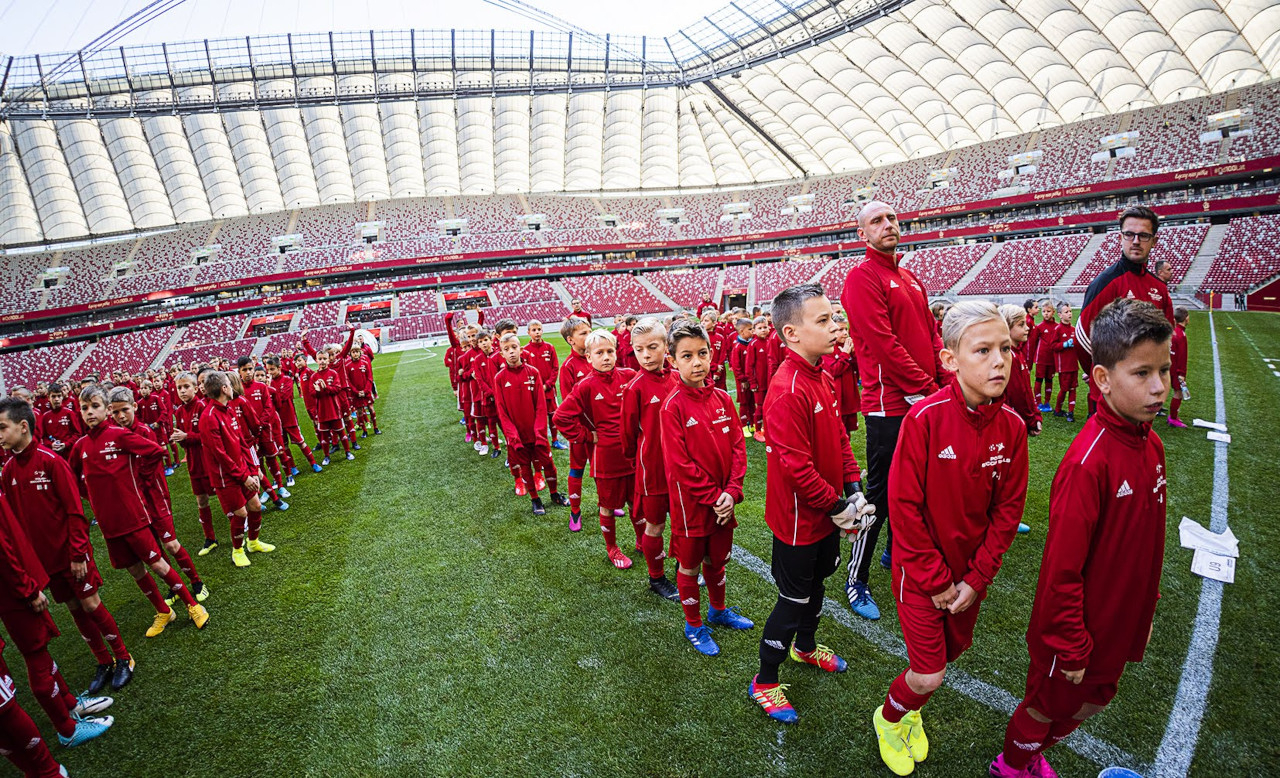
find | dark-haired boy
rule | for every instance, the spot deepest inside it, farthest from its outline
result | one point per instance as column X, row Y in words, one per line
column 813, row 492
column 522, row 411
column 1106, row 535
column 575, row 367
column 542, row 355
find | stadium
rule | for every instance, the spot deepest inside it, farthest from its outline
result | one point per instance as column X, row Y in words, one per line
column 175, row 203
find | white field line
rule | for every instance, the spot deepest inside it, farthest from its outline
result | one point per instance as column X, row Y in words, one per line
column 1097, row 751
column 1173, row 759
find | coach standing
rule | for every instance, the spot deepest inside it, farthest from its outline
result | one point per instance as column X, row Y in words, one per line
column 1128, row 277
column 897, row 345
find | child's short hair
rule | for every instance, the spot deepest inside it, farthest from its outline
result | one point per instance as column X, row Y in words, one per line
column 93, row 390
column 483, row 333
column 1180, row 315
column 1028, row 305
column 233, row 378
column 274, row 361
column 629, row 319
column 121, row 394
column 598, row 335
column 146, row 384
column 571, row 325
column 185, row 376
column 937, row 307
column 1012, row 313
column 508, row 336
column 758, row 321
column 503, row 325
column 683, row 330
column 18, row 411
column 242, row 361
column 57, row 387
column 840, row 318
column 1064, row 305
column 790, row 302
column 214, row 382
column 1122, row 325
column 964, row 315
column 21, row 391
column 533, row 322
column 648, row 326
column 743, row 322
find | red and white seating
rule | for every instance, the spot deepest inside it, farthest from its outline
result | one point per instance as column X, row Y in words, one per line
column 218, row 330
column 773, row 277
column 430, row 325
column 939, row 268
column 419, row 302
column 516, row 292
column 132, row 352
column 232, row 350
column 1027, row 266
column 547, row 312
column 319, row 315
column 330, row 225
column 1249, row 255
column 833, row 280
column 612, row 295
column 47, row 363
column 685, row 286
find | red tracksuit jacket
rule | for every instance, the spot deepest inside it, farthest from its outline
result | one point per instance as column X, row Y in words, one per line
column 895, row 336
column 223, row 448
column 775, row 353
column 626, row 356
column 957, row 487
column 306, row 386
column 642, row 427
column 1018, row 394
column 155, row 487
column 483, row 371
column 21, row 574
column 1122, row 279
column 260, row 399
column 842, row 369
column 543, row 356
column 595, row 405
column 738, row 360
column 360, row 379
column 1100, row 575
column 63, row 424
column 574, row 368
column 250, row 426
column 521, row 403
column 1044, row 334
column 328, row 408
column 42, row 490
column 809, row 458
column 1064, row 357
column 451, row 363
column 282, row 398
column 704, row 456
column 466, row 375
column 187, row 419
column 755, row 361
column 1177, row 351
column 112, row 461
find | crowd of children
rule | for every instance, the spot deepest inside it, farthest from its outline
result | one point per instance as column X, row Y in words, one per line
column 113, row 443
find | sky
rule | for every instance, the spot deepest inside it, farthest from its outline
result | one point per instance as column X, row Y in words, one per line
column 67, row 25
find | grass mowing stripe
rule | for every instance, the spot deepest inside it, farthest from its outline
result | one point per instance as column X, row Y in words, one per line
column 1091, row 748
column 1179, row 743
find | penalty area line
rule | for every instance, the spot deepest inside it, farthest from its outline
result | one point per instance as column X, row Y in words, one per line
column 1092, row 748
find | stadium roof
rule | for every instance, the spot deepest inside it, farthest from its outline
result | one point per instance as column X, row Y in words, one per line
column 146, row 136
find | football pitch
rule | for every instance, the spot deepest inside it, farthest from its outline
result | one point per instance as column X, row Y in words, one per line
column 416, row 619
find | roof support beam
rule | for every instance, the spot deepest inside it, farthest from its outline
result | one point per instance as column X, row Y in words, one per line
column 757, row 129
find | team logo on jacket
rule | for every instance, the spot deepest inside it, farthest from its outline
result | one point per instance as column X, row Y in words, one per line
column 692, row 422
column 947, row 453
column 817, row 407
column 1125, row 490
column 654, row 399
column 1156, row 296
column 893, row 284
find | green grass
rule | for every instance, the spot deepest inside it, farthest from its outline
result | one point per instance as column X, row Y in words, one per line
column 417, row 620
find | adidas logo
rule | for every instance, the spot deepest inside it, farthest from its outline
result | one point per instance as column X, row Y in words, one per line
column 947, row 453
column 775, row 644
column 817, row 407
column 152, row 555
column 689, row 601
column 507, row 384
column 87, row 587
column 692, row 422
column 1124, row 490
column 893, row 284
column 599, row 397
column 654, row 399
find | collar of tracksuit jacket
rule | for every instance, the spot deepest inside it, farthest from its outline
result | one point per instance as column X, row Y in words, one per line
column 1132, row 434
column 982, row 415
column 888, row 260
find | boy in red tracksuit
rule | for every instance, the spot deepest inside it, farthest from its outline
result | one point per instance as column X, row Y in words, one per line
column 841, row 366
column 112, row 460
column 574, row 368
column 337, row 361
column 282, row 394
column 813, row 493
column 1066, row 363
column 1106, row 535
column 251, row 430
column 591, row 415
column 1177, row 376
column 522, row 410
column 543, row 356
column 233, row 479
column 1018, row 395
column 453, row 361
column 741, row 382
column 642, row 441
column 305, row 378
column 326, row 387
column 45, row 498
column 471, row 391
column 482, row 405
column 360, row 378
column 151, row 414
column 709, row 321
column 155, row 493
column 257, row 395
column 957, row 487
column 705, row 460
column 1045, row 334
column 775, row 350
column 496, row 362
column 622, row 332
column 24, row 610
column 756, row 363
column 61, row 426
column 288, row 468
column 20, row 739
column 186, row 434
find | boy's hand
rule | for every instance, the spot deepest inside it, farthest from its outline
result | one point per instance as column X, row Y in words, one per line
column 943, row 600
column 1074, row 676
column 177, row 436
column 79, row 570
column 57, row 445
column 966, row 596
column 251, row 483
column 39, row 603
column 724, row 508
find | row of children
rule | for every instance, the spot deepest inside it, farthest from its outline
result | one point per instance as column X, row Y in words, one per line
column 663, row 443
column 111, row 451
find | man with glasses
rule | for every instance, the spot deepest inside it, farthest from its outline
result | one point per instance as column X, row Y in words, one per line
column 1128, row 277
